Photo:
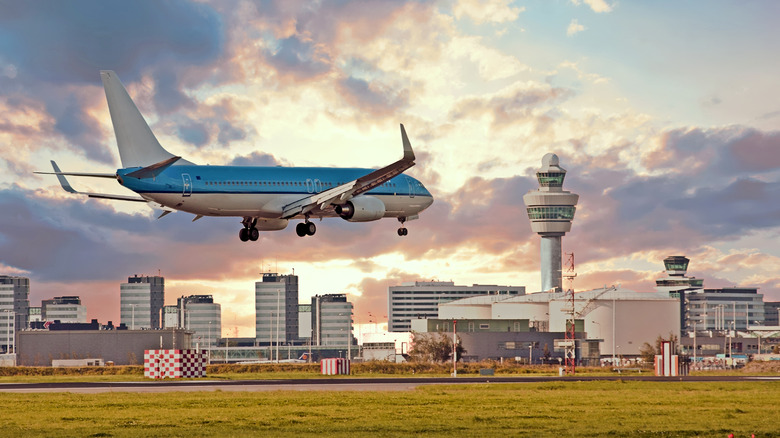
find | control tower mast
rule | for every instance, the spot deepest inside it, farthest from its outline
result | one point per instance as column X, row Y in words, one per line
column 551, row 210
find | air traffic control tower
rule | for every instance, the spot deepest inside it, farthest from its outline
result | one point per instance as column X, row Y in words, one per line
column 551, row 210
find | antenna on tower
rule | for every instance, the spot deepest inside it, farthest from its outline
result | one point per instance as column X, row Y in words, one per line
column 571, row 350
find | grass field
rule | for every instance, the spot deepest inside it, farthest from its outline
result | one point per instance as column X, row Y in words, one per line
column 582, row 409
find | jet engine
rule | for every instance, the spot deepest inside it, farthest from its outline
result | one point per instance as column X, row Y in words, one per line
column 361, row 209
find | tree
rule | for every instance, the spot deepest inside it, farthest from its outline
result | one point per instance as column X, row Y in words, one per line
column 647, row 352
column 433, row 347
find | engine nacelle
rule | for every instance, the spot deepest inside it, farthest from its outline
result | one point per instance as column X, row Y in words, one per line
column 361, row 209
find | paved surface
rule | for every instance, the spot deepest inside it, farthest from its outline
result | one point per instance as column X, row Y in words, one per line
column 336, row 384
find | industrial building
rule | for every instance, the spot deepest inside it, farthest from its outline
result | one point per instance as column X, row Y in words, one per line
column 14, row 308
column 141, row 301
column 122, row 347
column 421, row 299
column 551, row 210
column 621, row 319
column 63, row 309
column 276, row 309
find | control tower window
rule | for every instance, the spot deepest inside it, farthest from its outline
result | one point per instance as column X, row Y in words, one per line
column 555, row 212
column 552, row 179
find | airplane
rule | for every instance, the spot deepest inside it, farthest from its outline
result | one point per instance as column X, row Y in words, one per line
column 265, row 197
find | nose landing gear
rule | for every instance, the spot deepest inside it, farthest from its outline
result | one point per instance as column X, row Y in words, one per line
column 402, row 231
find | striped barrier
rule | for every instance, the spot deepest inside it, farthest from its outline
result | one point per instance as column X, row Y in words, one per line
column 332, row 367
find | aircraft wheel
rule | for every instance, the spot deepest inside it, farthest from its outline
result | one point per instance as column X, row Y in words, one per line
column 310, row 228
column 243, row 234
column 300, row 229
column 403, row 231
column 253, row 234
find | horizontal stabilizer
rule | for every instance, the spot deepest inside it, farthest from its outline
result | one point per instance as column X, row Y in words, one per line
column 153, row 170
column 68, row 188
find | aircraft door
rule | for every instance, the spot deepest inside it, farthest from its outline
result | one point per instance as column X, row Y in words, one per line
column 309, row 186
column 411, row 187
column 186, row 185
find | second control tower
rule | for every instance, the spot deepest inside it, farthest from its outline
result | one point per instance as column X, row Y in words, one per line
column 551, row 210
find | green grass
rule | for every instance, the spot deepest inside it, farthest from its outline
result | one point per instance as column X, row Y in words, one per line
column 583, row 409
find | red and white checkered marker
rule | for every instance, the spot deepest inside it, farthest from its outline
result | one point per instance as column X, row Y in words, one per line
column 174, row 364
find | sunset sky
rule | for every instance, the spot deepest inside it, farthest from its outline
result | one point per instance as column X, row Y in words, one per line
column 664, row 113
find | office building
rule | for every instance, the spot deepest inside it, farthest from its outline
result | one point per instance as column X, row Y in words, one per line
column 63, row 309
column 276, row 309
column 34, row 315
column 141, row 301
column 421, row 299
column 331, row 320
column 14, row 308
column 304, row 322
column 201, row 315
column 170, row 318
column 551, row 210
column 772, row 313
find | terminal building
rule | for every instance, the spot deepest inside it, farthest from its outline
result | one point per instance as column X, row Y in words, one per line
column 421, row 299
column 729, row 308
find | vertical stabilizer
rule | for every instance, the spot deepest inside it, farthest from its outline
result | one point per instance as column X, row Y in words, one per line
column 138, row 147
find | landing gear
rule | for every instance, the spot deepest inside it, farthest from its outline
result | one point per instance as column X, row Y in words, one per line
column 402, row 231
column 249, row 232
column 305, row 229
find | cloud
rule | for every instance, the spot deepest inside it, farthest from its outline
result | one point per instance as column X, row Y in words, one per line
column 597, row 6
column 574, row 27
column 374, row 98
column 57, row 42
column 516, row 104
column 495, row 11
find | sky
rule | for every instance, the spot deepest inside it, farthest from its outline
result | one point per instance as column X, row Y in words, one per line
column 665, row 114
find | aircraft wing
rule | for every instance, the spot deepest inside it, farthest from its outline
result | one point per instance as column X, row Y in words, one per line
column 342, row 193
column 68, row 188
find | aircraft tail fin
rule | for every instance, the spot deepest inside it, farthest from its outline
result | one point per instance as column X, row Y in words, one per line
column 138, row 147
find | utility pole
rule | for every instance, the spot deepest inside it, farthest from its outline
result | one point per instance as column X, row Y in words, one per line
column 454, row 348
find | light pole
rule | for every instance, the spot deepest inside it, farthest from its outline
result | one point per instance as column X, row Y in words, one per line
column 277, row 324
column 8, row 340
column 208, row 358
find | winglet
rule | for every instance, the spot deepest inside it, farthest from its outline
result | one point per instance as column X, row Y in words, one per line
column 63, row 181
column 408, row 152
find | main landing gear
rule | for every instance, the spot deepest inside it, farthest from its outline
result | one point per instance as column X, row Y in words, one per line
column 402, row 231
column 249, row 232
column 305, row 228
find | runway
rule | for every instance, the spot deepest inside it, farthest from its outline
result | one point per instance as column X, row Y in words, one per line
column 333, row 384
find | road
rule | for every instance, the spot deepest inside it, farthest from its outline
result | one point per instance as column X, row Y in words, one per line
column 332, row 384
